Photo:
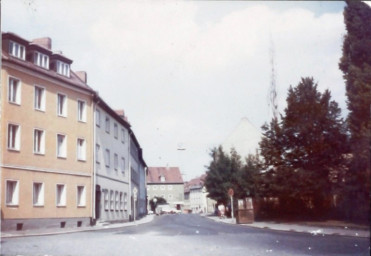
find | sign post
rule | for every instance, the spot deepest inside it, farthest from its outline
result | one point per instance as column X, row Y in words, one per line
column 231, row 193
column 135, row 192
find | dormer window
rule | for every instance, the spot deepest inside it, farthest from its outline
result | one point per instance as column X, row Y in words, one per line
column 162, row 178
column 17, row 50
column 63, row 68
column 41, row 60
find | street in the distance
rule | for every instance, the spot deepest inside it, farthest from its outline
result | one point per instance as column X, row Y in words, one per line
column 186, row 234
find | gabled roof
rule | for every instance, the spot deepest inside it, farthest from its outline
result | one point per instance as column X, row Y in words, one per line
column 171, row 175
column 195, row 183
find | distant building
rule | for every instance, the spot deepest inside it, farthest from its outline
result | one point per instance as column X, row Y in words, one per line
column 166, row 182
column 112, row 175
column 195, row 196
column 138, row 171
column 244, row 139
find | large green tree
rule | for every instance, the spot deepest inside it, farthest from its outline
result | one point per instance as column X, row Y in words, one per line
column 302, row 150
column 356, row 66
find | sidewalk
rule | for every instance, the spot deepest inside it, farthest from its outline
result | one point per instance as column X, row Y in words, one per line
column 56, row 231
column 315, row 230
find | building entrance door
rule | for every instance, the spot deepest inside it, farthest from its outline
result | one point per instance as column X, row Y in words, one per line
column 97, row 202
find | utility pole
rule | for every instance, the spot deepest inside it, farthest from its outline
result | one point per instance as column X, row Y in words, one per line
column 272, row 94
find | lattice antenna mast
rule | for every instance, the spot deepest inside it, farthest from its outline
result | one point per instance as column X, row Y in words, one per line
column 272, row 94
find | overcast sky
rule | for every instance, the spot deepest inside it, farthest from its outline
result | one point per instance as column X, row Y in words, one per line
column 186, row 72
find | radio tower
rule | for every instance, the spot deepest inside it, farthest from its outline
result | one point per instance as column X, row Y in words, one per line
column 272, row 94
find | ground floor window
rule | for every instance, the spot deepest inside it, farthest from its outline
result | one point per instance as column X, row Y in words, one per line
column 12, row 192
column 38, row 194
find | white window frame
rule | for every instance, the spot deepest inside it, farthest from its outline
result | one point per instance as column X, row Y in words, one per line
column 117, row 201
column 62, row 154
column 62, row 110
column 122, row 135
column 121, row 201
column 38, row 142
column 125, row 201
column 39, row 98
column 12, row 197
column 107, row 124
column 81, row 149
column 106, row 199
column 122, row 165
column 17, row 50
column 14, row 140
column 81, row 196
column 115, row 162
column 41, row 60
column 63, row 68
column 97, row 117
column 112, row 200
column 107, row 157
column 169, row 187
column 115, row 130
column 14, row 90
column 97, row 153
column 81, row 111
column 61, row 200
column 38, row 199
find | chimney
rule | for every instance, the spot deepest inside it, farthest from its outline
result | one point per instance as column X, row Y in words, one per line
column 82, row 75
column 45, row 42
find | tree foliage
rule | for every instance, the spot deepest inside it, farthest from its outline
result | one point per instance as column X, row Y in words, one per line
column 356, row 66
column 302, row 151
column 227, row 171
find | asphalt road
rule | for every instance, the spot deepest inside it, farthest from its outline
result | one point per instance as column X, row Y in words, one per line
column 186, row 235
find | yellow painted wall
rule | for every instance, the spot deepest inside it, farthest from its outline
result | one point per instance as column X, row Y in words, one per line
column 28, row 118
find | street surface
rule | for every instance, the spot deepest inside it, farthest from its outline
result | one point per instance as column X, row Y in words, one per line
column 186, row 235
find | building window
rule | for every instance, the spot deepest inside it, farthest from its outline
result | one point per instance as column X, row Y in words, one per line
column 39, row 141
column 63, row 68
column 41, row 60
column 154, row 187
column 81, row 110
column 81, row 149
column 81, row 196
column 39, row 98
column 162, row 187
column 121, row 201
column 17, row 50
column 61, row 195
column 62, row 105
column 38, row 194
column 169, row 187
column 123, row 165
column 115, row 161
column 106, row 200
column 170, row 196
column 115, row 130
column 107, row 125
column 14, row 135
column 61, row 146
column 112, row 201
column 122, row 135
column 97, row 153
column 97, row 118
column 162, row 178
column 12, row 192
column 125, row 201
column 107, row 158
column 14, row 90
column 117, row 201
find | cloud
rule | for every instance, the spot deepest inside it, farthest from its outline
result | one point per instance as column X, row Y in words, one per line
column 182, row 75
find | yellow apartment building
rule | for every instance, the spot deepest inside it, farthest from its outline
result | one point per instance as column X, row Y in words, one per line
column 46, row 138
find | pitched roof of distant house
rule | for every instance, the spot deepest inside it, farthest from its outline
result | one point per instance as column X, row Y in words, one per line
column 164, row 175
column 195, row 183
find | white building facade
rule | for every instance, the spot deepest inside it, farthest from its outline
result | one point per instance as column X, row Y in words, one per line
column 111, row 165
